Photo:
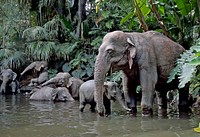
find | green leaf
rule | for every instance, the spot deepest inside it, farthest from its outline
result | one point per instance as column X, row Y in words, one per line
column 144, row 7
column 126, row 18
column 105, row 14
column 109, row 24
column 66, row 67
column 97, row 41
column 186, row 74
column 184, row 6
column 195, row 61
column 173, row 74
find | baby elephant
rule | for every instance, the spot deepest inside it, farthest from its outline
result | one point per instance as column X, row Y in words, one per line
column 111, row 92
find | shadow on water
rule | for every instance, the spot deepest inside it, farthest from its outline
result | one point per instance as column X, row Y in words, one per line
column 20, row 117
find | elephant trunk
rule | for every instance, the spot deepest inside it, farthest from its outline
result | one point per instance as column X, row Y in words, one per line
column 121, row 102
column 101, row 68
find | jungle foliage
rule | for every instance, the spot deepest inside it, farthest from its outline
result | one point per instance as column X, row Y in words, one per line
column 47, row 30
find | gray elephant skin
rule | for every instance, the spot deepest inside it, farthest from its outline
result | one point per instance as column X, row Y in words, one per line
column 9, row 82
column 38, row 66
column 110, row 92
column 51, row 94
column 64, row 79
column 73, row 86
column 60, row 80
column 144, row 59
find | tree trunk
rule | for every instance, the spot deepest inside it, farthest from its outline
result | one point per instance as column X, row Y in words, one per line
column 160, row 22
column 81, row 16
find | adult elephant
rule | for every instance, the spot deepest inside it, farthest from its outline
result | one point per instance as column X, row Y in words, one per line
column 145, row 59
column 9, row 81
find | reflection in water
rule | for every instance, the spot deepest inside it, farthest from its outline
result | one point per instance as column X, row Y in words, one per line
column 20, row 117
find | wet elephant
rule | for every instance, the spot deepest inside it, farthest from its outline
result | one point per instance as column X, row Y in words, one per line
column 145, row 59
column 60, row 80
column 74, row 85
column 9, row 81
column 51, row 94
column 39, row 66
column 110, row 92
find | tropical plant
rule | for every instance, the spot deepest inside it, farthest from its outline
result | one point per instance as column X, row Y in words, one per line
column 188, row 68
column 11, row 26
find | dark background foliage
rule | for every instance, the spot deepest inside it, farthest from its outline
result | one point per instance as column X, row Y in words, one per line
column 68, row 33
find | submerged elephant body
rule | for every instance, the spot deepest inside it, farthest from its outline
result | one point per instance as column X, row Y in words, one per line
column 145, row 59
column 110, row 92
column 51, row 94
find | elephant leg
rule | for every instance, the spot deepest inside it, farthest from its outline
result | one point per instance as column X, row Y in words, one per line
column 183, row 102
column 3, row 88
column 92, row 106
column 82, row 101
column 82, row 106
column 162, row 103
column 33, row 82
column 107, row 105
column 130, row 95
column 148, row 79
column 13, row 86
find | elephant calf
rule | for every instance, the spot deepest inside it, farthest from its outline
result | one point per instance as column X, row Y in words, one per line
column 111, row 92
column 8, row 81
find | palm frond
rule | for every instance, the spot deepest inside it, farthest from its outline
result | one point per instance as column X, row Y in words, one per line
column 35, row 33
column 12, row 58
column 62, row 51
column 41, row 50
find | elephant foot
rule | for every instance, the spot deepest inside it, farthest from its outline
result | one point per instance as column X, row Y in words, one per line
column 100, row 110
column 92, row 110
column 81, row 109
column 162, row 112
column 147, row 111
column 133, row 110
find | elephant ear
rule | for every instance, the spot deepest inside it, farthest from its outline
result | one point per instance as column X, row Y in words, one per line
column 14, row 76
column 132, row 52
column 70, row 81
column 105, row 90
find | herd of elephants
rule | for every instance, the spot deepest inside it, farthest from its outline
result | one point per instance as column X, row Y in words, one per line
column 144, row 59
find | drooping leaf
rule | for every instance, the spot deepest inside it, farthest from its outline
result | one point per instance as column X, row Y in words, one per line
column 195, row 61
column 184, row 6
column 173, row 74
column 127, row 17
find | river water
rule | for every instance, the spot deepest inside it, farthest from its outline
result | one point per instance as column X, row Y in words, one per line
column 20, row 117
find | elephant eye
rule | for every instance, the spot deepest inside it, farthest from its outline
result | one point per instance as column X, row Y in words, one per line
column 109, row 51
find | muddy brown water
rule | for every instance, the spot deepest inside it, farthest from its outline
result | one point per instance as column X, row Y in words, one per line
column 20, row 117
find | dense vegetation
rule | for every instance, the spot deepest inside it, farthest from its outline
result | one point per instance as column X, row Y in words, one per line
column 68, row 33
